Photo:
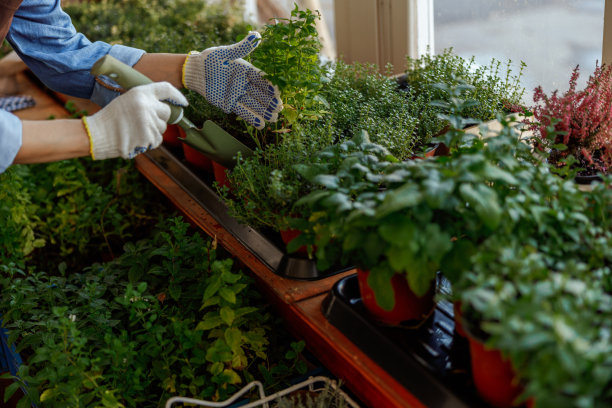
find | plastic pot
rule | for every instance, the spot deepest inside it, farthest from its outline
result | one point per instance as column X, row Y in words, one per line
column 220, row 172
column 197, row 159
column 408, row 306
column 193, row 156
column 458, row 316
column 171, row 136
column 289, row 235
column 494, row 377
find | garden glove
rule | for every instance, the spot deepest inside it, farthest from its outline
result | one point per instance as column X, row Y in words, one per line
column 231, row 83
column 133, row 122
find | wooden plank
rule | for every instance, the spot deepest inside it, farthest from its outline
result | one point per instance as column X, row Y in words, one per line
column 289, row 291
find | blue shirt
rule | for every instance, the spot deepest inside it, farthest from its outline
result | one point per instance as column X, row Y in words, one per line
column 44, row 37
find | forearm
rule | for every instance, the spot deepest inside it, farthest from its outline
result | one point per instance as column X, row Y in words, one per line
column 47, row 141
column 162, row 67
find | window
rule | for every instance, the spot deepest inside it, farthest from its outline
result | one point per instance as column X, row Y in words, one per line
column 550, row 36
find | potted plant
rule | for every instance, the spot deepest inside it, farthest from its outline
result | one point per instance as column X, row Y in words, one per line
column 534, row 277
column 356, row 97
column 549, row 325
column 578, row 124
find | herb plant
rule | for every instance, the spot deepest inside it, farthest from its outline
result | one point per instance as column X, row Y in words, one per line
column 166, row 318
column 495, row 89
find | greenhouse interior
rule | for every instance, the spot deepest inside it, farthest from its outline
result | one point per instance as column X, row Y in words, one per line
column 306, row 203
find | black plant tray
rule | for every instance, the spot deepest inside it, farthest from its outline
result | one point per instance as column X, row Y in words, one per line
column 431, row 361
column 266, row 246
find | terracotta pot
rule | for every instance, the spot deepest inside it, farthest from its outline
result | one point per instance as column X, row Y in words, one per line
column 193, row 156
column 171, row 136
column 289, row 235
column 197, row 159
column 220, row 172
column 458, row 316
column 408, row 306
column 494, row 377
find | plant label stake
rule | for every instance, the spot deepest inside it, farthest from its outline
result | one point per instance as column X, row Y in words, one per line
column 211, row 140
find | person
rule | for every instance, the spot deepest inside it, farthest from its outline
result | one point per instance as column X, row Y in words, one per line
column 129, row 123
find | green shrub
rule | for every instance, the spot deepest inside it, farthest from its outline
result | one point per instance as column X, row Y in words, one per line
column 495, row 88
column 168, row 317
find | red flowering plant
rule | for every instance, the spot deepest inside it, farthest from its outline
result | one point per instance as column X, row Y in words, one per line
column 578, row 123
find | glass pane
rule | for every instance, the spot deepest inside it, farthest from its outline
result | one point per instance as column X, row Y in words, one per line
column 550, row 36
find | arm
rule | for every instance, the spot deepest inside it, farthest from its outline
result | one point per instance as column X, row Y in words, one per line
column 47, row 141
column 162, row 67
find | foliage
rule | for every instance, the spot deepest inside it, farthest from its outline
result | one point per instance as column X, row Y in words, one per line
column 493, row 90
column 289, row 55
column 18, row 235
column 267, row 183
column 360, row 98
column 165, row 318
column 73, row 211
column 393, row 217
column 538, row 287
column 581, row 119
column 159, row 25
column 554, row 324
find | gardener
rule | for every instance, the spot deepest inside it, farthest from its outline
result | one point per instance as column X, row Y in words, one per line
column 44, row 37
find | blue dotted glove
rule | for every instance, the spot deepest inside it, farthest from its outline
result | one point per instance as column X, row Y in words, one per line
column 226, row 80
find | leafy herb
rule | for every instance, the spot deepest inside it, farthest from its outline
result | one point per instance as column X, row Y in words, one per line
column 165, row 318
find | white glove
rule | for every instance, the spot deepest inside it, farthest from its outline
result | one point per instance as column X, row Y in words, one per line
column 133, row 122
column 231, row 83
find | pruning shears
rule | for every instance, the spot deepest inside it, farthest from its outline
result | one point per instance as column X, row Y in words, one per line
column 211, row 140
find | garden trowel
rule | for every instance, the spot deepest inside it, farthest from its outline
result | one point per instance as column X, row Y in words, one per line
column 211, row 140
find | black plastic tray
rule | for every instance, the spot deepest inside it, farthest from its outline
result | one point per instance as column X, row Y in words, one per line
column 268, row 250
column 431, row 361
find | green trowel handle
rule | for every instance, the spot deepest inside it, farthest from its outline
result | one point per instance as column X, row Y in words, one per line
column 127, row 77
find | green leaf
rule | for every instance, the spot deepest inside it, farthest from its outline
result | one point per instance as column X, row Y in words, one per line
column 400, row 199
column 47, row 394
column 212, row 287
column 228, row 294
column 209, row 323
column 328, row 181
column 10, row 390
column 232, row 376
column 380, row 282
column 484, row 201
column 227, row 315
column 175, row 290
column 397, row 230
column 233, row 338
column 456, row 262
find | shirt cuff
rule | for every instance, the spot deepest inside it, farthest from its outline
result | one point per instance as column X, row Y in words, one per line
column 101, row 95
column 10, row 139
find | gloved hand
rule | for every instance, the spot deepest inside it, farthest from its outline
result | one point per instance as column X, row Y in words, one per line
column 133, row 122
column 231, row 83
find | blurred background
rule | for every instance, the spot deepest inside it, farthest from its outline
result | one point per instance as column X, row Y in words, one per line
column 550, row 36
